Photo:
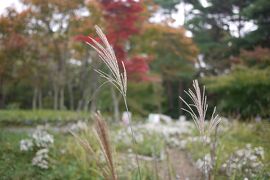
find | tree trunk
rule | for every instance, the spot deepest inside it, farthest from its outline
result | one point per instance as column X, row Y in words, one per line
column 2, row 94
column 62, row 98
column 55, row 98
column 157, row 93
column 180, row 93
column 71, row 97
column 170, row 95
column 93, row 106
column 34, row 100
column 40, row 104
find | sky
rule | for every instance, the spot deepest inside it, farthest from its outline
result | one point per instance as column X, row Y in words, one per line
column 6, row 3
column 178, row 16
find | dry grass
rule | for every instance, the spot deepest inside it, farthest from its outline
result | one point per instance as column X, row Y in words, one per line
column 117, row 77
column 107, row 55
column 198, row 110
column 102, row 136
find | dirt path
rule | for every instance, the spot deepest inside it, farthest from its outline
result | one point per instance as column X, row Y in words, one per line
column 180, row 165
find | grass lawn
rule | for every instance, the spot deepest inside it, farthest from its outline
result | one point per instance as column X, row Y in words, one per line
column 29, row 117
column 69, row 161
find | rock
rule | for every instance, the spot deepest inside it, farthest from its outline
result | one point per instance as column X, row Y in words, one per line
column 165, row 118
column 126, row 117
column 182, row 118
column 154, row 118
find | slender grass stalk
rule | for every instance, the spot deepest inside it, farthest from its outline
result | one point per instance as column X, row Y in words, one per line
column 197, row 110
column 133, row 137
column 102, row 136
column 116, row 77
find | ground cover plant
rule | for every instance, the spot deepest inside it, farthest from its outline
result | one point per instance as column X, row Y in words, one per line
column 69, row 160
column 28, row 117
column 131, row 104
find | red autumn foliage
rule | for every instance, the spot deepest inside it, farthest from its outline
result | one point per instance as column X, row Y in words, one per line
column 122, row 18
column 15, row 42
column 258, row 56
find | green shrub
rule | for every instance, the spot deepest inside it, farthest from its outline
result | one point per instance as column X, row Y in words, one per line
column 244, row 91
column 28, row 117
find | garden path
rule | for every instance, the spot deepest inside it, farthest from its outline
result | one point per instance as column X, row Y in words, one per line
column 180, row 164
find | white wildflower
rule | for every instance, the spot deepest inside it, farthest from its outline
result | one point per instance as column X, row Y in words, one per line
column 41, row 159
column 26, row 144
column 205, row 164
column 79, row 126
column 42, row 138
column 246, row 161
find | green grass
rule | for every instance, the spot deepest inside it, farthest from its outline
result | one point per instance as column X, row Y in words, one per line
column 236, row 137
column 67, row 159
column 152, row 145
column 29, row 117
column 70, row 161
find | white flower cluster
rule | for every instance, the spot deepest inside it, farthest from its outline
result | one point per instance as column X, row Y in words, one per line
column 247, row 161
column 168, row 129
column 79, row 126
column 41, row 159
column 26, row 145
column 205, row 164
column 125, row 136
column 40, row 140
column 182, row 144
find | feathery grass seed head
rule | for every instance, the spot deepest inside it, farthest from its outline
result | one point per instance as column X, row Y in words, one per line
column 198, row 109
column 107, row 55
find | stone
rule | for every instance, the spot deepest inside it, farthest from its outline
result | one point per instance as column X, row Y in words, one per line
column 153, row 118
column 125, row 117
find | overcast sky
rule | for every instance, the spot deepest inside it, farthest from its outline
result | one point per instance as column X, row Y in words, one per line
column 6, row 3
column 178, row 16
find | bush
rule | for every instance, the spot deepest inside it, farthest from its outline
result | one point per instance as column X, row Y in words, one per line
column 28, row 117
column 244, row 91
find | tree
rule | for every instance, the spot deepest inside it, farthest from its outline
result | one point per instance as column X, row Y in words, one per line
column 174, row 56
column 258, row 11
column 52, row 19
column 168, row 5
column 244, row 91
column 13, row 41
column 121, row 19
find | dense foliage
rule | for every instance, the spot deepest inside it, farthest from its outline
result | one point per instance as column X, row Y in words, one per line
column 244, row 92
column 44, row 64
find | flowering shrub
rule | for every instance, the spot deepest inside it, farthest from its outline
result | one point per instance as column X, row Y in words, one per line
column 42, row 139
column 182, row 144
column 26, row 145
column 205, row 164
column 79, row 126
column 124, row 136
column 41, row 159
column 246, row 161
column 40, row 142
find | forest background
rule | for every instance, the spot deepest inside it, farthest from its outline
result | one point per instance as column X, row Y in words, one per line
column 45, row 64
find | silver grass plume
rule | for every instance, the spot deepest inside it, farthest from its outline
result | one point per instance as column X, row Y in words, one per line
column 101, row 132
column 198, row 109
column 107, row 55
column 116, row 77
